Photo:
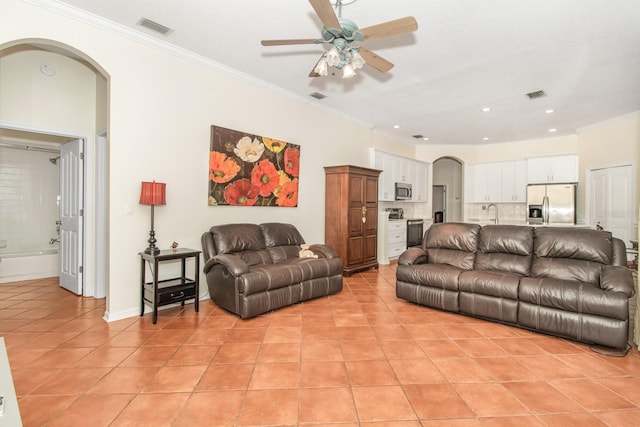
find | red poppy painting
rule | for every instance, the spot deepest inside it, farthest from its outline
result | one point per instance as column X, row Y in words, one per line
column 252, row 170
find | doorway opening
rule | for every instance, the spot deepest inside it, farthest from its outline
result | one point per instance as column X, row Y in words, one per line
column 74, row 80
column 447, row 190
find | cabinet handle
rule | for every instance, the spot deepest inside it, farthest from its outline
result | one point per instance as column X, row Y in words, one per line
column 180, row 295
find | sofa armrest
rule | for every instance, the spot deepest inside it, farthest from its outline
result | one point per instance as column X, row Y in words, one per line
column 234, row 264
column 323, row 251
column 413, row 256
column 617, row 279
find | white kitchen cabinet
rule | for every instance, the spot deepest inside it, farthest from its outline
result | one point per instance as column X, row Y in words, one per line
column 385, row 163
column 552, row 169
column 514, row 181
column 400, row 169
column 420, row 187
column 496, row 182
column 396, row 238
column 483, row 183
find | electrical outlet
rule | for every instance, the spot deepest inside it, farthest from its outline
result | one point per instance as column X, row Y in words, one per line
column 128, row 209
column 484, row 207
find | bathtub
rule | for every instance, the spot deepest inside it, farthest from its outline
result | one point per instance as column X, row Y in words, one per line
column 29, row 265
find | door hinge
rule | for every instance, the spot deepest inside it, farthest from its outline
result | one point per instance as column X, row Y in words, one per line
column 81, row 156
column 81, row 212
column 80, row 269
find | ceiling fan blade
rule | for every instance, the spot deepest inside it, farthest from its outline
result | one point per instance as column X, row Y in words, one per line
column 390, row 28
column 288, row 42
column 325, row 12
column 313, row 72
column 375, row 61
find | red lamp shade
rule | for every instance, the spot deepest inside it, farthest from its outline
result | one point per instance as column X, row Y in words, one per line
column 153, row 193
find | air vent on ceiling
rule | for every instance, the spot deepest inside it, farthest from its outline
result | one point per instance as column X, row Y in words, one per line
column 536, row 94
column 317, row 95
column 418, row 136
column 154, row 26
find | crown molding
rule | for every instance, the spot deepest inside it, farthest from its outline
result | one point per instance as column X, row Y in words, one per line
column 120, row 30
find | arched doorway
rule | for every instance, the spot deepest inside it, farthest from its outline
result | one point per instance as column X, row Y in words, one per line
column 67, row 98
column 448, row 187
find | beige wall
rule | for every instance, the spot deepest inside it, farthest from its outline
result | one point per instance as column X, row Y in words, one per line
column 65, row 102
column 615, row 142
column 161, row 106
column 160, row 112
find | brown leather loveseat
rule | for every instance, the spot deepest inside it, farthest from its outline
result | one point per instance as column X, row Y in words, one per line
column 252, row 269
column 563, row 281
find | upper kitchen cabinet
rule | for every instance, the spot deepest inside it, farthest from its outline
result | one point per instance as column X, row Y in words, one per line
column 386, row 187
column 482, row 183
column 497, row 182
column 552, row 169
column 420, row 188
column 514, row 181
column 400, row 169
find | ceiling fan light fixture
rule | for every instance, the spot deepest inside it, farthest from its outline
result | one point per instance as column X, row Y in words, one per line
column 348, row 71
column 322, row 68
column 357, row 60
column 332, row 57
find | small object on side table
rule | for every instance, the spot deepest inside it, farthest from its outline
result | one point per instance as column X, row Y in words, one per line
column 174, row 245
column 169, row 291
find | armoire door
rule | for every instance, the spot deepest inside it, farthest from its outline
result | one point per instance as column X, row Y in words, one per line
column 357, row 220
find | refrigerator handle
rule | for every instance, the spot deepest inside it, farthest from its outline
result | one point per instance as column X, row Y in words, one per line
column 545, row 209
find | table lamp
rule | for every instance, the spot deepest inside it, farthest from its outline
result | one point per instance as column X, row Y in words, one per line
column 153, row 193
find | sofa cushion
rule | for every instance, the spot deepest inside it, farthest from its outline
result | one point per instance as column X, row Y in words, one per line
column 452, row 243
column 244, row 240
column 571, row 254
column 573, row 296
column 265, row 277
column 493, row 283
column 282, row 240
column 442, row 276
column 505, row 248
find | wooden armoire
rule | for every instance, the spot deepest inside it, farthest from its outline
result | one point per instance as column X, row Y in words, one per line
column 351, row 215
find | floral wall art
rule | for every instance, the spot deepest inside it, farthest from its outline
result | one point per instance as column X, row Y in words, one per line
column 252, row 170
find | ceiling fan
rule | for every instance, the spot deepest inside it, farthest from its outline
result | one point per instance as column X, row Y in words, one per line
column 340, row 33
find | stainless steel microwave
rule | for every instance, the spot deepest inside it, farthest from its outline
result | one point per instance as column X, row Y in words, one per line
column 403, row 191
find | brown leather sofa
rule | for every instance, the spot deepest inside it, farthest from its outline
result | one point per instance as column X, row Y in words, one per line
column 563, row 281
column 252, row 269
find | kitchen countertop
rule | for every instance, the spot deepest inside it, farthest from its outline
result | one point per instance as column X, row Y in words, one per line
column 508, row 222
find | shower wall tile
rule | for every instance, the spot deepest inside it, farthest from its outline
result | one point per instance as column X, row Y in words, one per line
column 29, row 189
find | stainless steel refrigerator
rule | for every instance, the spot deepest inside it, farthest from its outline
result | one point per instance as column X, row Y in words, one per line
column 551, row 203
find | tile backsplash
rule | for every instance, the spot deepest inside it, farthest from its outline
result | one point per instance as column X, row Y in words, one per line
column 508, row 213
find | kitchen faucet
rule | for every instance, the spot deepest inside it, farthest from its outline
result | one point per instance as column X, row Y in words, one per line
column 495, row 219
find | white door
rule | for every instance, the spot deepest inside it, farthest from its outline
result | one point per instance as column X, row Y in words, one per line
column 612, row 201
column 71, row 211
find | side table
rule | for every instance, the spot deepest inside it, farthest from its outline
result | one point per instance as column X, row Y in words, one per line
column 169, row 291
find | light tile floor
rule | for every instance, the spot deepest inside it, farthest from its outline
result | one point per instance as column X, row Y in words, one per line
column 361, row 357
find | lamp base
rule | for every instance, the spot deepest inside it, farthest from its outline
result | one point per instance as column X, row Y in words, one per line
column 152, row 250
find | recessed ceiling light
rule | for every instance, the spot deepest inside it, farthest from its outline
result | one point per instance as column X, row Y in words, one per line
column 553, row 130
column 486, row 109
column 396, row 126
column 486, row 138
column 425, row 138
column 549, row 111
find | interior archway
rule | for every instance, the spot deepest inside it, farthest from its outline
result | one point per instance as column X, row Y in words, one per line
column 448, row 190
column 34, row 127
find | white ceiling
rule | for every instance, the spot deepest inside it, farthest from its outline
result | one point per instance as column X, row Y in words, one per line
column 466, row 55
